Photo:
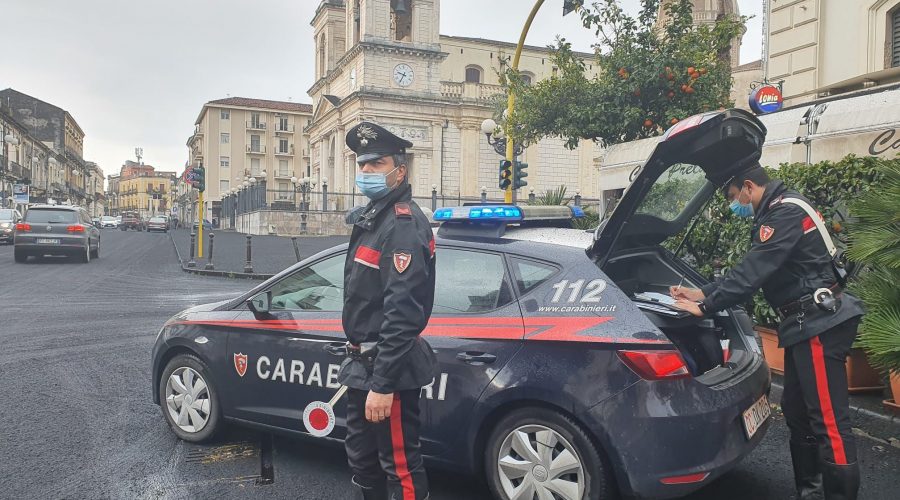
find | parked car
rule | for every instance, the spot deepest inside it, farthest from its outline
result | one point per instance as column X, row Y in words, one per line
column 561, row 366
column 109, row 221
column 158, row 224
column 207, row 225
column 132, row 220
column 56, row 230
column 9, row 217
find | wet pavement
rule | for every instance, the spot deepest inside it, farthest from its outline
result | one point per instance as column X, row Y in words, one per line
column 78, row 420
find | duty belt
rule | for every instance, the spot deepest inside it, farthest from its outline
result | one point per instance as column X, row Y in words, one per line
column 804, row 302
column 364, row 352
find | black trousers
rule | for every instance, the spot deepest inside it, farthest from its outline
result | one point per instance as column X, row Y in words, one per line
column 388, row 450
column 815, row 401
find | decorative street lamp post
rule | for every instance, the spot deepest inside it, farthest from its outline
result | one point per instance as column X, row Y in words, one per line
column 496, row 137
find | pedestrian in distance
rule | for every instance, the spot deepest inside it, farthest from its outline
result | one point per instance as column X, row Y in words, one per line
column 388, row 296
column 792, row 259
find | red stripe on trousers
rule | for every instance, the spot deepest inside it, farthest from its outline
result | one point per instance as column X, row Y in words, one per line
column 837, row 443
column 406, row 483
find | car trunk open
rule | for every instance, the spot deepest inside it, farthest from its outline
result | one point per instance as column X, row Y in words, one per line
column 695, row 157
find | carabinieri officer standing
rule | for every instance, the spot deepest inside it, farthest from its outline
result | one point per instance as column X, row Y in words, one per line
column 790, row 261
column 388, row 296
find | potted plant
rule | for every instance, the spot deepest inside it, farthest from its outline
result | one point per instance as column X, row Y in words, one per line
column 766, row 325
column 875, row 242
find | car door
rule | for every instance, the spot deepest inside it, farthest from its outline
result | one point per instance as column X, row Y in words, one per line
column 475, row 329
column 280, row 362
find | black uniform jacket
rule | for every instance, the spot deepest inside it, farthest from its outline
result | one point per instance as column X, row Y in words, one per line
column 788, row 260
column 389, row 293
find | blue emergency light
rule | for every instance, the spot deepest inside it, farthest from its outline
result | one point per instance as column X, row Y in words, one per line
column 482, row 212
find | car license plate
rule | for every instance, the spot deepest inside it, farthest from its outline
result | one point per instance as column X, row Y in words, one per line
column 756, row 415
column 47, row 241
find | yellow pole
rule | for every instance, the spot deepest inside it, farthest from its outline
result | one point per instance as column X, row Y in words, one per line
column 200, row 227
column 511, row 101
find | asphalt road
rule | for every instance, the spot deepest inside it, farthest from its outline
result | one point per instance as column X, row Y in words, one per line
column 77, row 420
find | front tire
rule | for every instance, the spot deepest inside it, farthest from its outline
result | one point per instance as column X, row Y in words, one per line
column 537, row 451
column 188, row 399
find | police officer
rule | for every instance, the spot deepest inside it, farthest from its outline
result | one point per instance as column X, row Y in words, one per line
column 388, row 296
column 789, row 261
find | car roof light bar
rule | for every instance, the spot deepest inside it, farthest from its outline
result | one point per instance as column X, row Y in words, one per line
column 499, row 213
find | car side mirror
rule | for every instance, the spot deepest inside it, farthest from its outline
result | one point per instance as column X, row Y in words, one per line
column 260, row 303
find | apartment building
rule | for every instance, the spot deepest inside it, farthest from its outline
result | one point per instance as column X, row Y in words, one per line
column 237, row 138
column 143, row 189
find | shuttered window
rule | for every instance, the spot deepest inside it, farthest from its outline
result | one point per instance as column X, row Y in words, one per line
column 895, row 39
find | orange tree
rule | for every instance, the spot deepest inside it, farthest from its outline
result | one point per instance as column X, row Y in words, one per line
column 649, row 77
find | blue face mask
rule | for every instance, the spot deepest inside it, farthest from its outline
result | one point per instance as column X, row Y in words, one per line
column 741, row 209
column 373, row 185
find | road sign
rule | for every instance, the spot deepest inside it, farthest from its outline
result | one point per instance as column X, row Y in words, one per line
column 175, row 210
column 20, row 194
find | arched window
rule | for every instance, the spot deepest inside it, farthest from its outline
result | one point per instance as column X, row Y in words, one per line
column 473, row 74
column 401, row 20
column 322, row 58
column 527, row 78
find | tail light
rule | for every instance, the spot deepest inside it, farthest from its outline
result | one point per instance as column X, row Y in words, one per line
column 656, row 365
column 23, row 227
column 75, row 228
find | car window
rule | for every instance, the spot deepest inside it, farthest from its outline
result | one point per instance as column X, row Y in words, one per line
column 45, row 216
column 319, row 287
column 7, row 214
column 469, row 282
column 530, row 274
column 157, row 219
column 672, row 191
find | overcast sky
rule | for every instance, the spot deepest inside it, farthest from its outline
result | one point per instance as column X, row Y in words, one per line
column 136, row 73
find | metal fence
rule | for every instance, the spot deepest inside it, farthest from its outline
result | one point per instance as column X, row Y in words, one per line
column 306, row 199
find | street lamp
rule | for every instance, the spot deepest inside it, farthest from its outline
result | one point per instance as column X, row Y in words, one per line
column 497, row 138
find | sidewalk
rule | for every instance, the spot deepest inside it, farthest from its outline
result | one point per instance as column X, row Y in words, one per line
column 270, row 254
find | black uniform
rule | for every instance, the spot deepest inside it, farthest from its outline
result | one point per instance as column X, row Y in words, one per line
column 789, row 261
column 389, row 280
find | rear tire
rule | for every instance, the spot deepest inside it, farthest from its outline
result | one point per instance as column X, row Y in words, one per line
column 203, row 416
column 574, row 464
column 20, row 256
column 86, row 256
column 96, row 253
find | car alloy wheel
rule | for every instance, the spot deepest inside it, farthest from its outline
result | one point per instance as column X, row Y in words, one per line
column 537, row 461
column 187, row 400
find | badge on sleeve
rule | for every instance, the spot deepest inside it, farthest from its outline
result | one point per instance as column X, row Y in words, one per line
column 765, row 232
column 401, row 261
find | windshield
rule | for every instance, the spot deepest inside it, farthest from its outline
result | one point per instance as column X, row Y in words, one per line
column 6, row 214
column 672, row 191
column 107, row 217
column 51, row 216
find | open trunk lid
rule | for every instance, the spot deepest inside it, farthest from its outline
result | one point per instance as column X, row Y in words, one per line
column 694, row 157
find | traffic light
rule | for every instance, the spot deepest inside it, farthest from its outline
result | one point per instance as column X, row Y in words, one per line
column 520, row 174
column 200, row 176
column 505, row 174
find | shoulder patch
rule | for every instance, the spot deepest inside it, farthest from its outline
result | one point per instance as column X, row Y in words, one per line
column 402, row 210
column 402, row 260
column 765, row 232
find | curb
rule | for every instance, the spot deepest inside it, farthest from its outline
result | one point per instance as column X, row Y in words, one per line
column 220, row 274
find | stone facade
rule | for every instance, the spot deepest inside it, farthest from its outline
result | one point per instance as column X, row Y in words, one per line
column 396, row 69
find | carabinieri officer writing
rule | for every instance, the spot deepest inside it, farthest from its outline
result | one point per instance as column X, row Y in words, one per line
column 388, row 296
column 790, row 260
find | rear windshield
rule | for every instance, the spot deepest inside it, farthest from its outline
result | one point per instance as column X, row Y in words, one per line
column 672, row 192
column 6, row 214
column 42, row 216
column 157, row 219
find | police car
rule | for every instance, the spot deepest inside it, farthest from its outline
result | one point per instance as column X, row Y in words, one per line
column 563, row 372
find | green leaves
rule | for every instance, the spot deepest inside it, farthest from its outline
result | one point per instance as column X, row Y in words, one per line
column 649, row 77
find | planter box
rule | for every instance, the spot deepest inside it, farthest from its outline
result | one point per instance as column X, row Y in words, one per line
column 861, row 377
column 774, row 355
column 893, row 405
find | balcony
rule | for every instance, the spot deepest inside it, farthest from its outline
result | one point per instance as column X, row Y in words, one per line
column 251, row 125
column 284, row 174
column 288, row 129
column 469, row 90
column 257, row 149
column 288, row 152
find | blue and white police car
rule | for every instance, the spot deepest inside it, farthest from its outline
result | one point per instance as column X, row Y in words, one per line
column 563, row 371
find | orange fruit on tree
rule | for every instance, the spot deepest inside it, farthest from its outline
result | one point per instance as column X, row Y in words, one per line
column 673, row 121
column 690, row 70
column 690, row 90
column 695, row 75
column 702, row 71
column 648, row 123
